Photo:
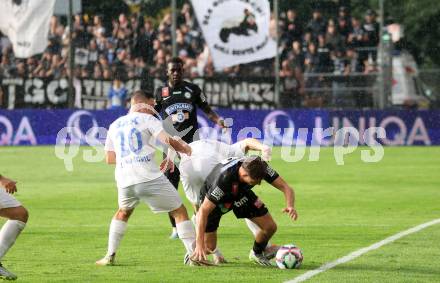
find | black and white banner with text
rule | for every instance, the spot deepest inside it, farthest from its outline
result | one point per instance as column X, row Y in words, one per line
column 236, row 31
column 26, row 24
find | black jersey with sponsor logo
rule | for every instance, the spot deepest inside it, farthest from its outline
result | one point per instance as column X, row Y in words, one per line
column 223, row 186
column 179, row 104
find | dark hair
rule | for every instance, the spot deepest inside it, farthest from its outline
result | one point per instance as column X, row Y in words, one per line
column 175, row 60
column 255, row 167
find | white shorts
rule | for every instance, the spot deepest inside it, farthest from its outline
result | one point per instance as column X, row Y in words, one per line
column 193, row 173
column 159, row 194
column 7, row 200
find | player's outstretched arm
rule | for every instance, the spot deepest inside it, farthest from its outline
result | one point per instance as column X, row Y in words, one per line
column 213, row 116
column 253, row 144
column 289, row 195
column 205, row 209
column 175, row 142
column 110, row 157
column 8, row 184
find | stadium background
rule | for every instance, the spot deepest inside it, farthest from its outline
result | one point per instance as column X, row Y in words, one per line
column 342, row 208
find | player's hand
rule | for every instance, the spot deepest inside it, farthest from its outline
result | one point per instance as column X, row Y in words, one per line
column 266, row 153
column 291, row 212
column 200, row 253
column 188, row 150
column 8, row 184
column 167, row 164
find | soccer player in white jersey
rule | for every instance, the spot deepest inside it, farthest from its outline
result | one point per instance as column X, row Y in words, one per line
column 17, row 216
column 206, row 154
column 130, row 146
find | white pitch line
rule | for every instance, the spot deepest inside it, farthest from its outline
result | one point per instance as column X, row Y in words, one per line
column 362, row 251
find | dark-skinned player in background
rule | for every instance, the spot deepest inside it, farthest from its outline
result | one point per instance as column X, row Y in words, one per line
column 177, row 103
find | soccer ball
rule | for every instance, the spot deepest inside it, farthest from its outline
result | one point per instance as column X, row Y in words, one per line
column 289, row 257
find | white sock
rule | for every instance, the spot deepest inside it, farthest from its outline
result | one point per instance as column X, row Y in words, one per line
column 116, row 232
column 254, row 229
column 8, row 234
column 217, row 252
column 187, row 234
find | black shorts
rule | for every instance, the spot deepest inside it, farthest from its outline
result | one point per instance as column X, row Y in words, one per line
column 247, row 206
column 174, row 177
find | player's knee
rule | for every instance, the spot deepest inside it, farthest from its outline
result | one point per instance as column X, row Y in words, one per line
column 22, row 214
column 210, row 245
column 180, row 214
column 123, row 214
column 271, row 228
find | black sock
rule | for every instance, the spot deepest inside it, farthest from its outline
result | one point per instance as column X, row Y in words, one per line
column 259, row 247
column 172, row 221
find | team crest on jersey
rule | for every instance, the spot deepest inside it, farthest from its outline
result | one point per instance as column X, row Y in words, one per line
column 165, row 92
column 187, row 95
column 180, row 116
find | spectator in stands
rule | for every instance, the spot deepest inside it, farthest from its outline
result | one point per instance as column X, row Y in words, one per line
column 344, row 13
column 292, row 27
column 317, row 24
column 371, row 35
column 293, row 81
column 296, row 55
column 356, row 35
column 333, row 38
column 371, row 28
column 117, row 94
column 340, row 69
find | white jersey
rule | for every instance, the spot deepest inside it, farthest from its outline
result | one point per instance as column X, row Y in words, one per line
column 213, row 152
column 132, row 138
column 205, row 155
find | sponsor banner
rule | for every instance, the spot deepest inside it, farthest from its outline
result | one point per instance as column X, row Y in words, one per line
column 26, row 24
column 90, row 94
column 279, row 127
column 34, row 93
column 236, row 93
column 236, row 31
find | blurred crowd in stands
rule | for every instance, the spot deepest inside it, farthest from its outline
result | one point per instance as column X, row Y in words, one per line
column 133, row 46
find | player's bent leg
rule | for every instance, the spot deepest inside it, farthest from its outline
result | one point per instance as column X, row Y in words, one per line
column 19, row 213
column 174, row 178
column 118, row 226
column 271, row 249
column 267, row 225
column 17, row 218
column 268, row 228
column 185, row 228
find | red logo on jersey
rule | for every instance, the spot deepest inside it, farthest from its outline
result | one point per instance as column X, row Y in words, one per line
column 234, row 188
column 228, row 205
column 165, row 92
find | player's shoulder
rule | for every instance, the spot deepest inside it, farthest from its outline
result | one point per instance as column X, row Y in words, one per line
column 191, row 87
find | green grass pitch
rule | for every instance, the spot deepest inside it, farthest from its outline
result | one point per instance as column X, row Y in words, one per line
column 341, row 209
